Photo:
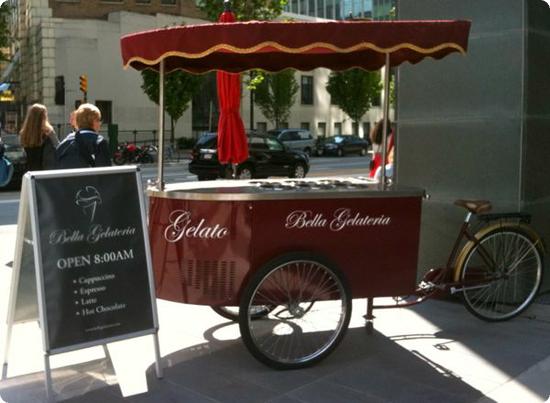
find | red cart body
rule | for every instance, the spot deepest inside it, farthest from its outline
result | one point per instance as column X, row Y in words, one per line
column 206, row 242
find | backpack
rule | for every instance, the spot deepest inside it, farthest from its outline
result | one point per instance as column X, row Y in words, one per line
column 73, row 153
column 6, row 171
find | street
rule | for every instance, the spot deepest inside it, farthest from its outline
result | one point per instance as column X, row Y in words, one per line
column 178, row 172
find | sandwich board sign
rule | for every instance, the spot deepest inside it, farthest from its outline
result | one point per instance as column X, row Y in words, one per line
column 82, row 264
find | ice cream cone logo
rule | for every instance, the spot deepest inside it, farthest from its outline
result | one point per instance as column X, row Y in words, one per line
column 88, row 198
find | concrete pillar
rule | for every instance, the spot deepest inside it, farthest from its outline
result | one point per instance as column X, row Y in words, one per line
column 478, row 126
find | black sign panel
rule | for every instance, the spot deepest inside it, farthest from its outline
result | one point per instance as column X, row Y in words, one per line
column 93, row 260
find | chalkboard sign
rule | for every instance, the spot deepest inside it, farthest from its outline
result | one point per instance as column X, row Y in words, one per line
column 92, row 257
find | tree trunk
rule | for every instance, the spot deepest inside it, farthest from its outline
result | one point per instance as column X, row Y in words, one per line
column 172, row 136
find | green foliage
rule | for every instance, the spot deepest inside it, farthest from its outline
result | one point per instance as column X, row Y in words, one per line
column 276, row 94
column 179, row 88
column 354, row 91
column 245, row 10
column 5, row 34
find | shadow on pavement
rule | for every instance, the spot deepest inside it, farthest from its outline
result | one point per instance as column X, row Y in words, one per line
column 364, row 368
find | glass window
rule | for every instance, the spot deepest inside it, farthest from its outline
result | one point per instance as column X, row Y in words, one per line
column 274, row 145
column 337, row 128
column 143, row 1
column 337, row 10
column 261, row 127
column 60, row 90
column 257, row 143
column 168, row 2
column 304, row 125
column 311, row 10
column 320, row 12
column 106, row 109
column 321, row 129
column 366, row 129
column 307, row 90
column 303, row 6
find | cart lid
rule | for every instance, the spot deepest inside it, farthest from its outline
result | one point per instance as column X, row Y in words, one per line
column 274, row 46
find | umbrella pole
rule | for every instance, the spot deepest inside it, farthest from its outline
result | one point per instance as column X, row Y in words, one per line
column 234, row 166
column 160, row 179
column 385, row 115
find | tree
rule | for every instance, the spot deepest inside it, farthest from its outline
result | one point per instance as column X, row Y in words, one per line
column 276, row 94
column 354, row 92
column 244, row 10
column 179, row 88
column 5, row 35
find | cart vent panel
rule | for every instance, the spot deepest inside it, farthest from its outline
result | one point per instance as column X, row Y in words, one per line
column 214, row 278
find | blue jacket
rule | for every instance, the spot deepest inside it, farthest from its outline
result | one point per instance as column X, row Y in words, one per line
column 83, row 149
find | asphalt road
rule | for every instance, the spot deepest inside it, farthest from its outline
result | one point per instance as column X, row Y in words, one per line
column 178, row 172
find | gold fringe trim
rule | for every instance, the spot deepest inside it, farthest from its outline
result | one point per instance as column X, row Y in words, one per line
column 303, row 49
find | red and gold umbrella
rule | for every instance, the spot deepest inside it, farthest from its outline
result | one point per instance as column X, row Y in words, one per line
column 273, row 46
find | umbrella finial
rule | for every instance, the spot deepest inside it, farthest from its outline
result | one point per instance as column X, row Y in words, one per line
column 226, row 5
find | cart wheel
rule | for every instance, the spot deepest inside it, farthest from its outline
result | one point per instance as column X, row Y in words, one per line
column 501, row 275
column 232, row 312
column 312, row 309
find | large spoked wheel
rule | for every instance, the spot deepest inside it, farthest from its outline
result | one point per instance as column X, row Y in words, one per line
column 311, row 311
column 232, row 312
column 501, row 275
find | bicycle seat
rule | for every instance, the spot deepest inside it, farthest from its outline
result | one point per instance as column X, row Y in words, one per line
column 475, row 206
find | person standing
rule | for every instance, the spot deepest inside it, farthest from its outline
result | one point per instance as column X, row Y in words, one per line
column 376, row 137
column 84, row 148
column 38, row 139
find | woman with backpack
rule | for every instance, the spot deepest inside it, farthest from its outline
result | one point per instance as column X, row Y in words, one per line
column 39, row 139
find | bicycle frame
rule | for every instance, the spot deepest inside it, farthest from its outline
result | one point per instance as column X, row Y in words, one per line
column 427, row 288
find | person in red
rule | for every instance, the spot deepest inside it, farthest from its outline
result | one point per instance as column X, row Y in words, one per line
column 377, row 140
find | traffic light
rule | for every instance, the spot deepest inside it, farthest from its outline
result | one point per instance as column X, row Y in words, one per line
column 84, row 83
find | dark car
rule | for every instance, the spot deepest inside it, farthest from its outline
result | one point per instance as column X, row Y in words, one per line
column 16, row 154
column 267, row 157
column 343, row 144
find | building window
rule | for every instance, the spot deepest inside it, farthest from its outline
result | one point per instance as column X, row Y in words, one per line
column 106, row 109
column 337, row 128
column 366, row 130
column 307, row 90
column 304, row 125
column 60, row 90
column 261, row 127
column 168, row 2
column 143, row 1
column 321, row 129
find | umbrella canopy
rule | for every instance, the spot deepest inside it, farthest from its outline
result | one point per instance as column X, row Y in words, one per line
column 232, row 142
column 274, row 46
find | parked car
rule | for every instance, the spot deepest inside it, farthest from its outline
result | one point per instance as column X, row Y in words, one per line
column 295, row 139
column 16, row 154
column 267, row 157
column 343, row 144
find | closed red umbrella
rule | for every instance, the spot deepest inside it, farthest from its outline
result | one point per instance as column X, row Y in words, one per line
column 232, row 142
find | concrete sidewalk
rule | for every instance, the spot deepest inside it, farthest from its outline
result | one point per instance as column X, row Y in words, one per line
column 434, row 352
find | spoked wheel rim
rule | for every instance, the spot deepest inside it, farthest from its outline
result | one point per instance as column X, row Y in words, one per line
column 245, row 173
column 312, row 308
column 502, row 275
column 299, row 171
column 232, row 312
